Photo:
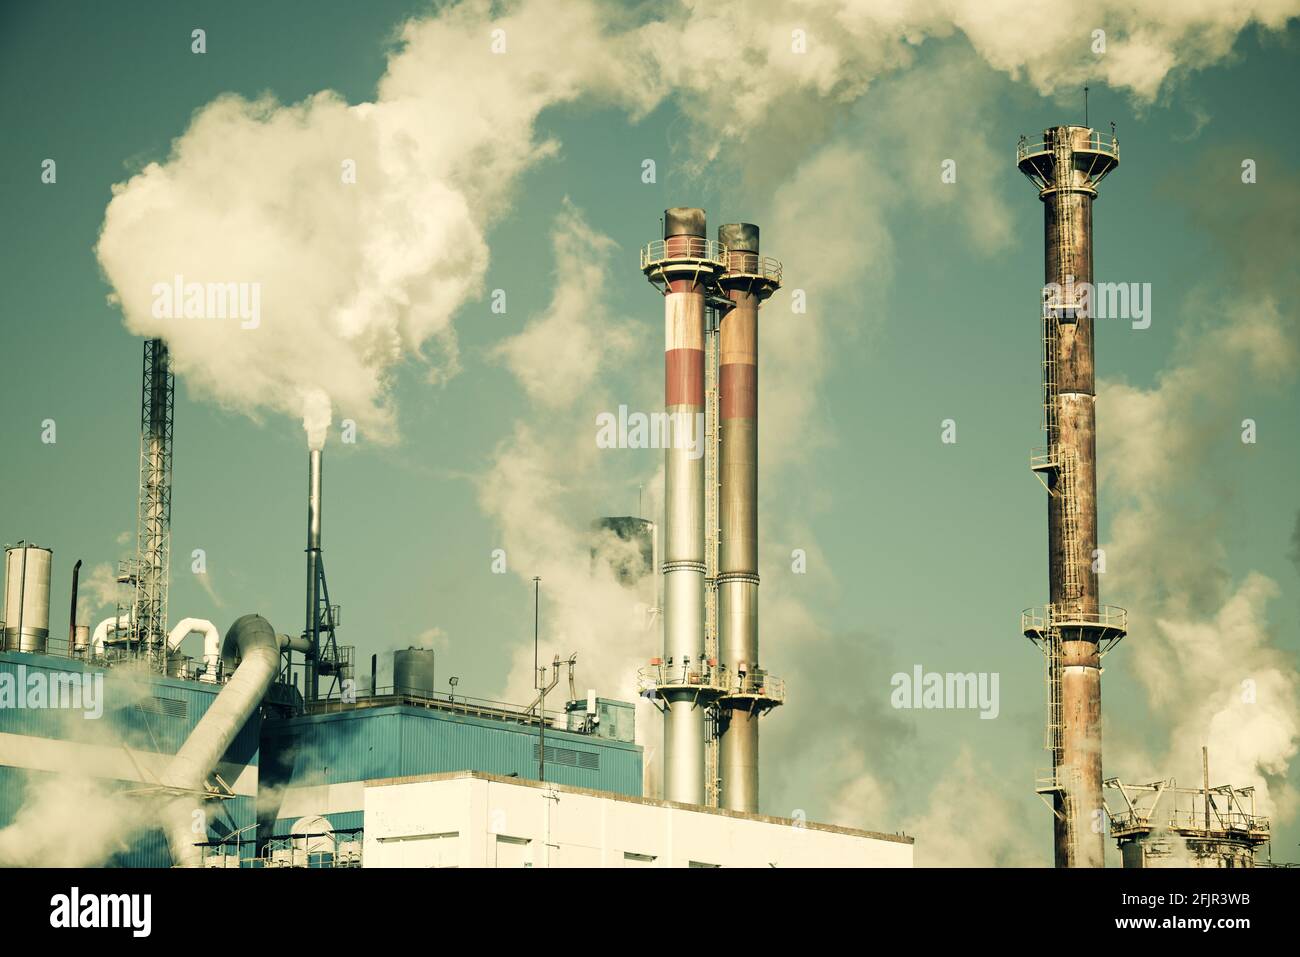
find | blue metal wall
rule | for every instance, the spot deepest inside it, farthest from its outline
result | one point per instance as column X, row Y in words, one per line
column 142, row 711
column 399, row 740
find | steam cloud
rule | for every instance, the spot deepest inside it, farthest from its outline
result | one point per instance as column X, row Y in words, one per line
column 354, row 277
column 1205, row 651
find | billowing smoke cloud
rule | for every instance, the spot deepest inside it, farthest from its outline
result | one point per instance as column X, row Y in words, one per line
column 1203, row 646
column 294, row 254
column 349, row 235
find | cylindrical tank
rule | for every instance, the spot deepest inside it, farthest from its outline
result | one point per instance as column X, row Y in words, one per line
column 27, row 597
column 81, row 640
column 414, row 672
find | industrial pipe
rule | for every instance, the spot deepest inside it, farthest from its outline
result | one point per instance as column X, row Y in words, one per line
column 251, row 656
column 100, row 637
column 72, row 611
column 211, row 642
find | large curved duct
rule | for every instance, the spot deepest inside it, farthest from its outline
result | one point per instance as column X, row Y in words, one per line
column 101, row 633
column 251, row 655
column 211, row 642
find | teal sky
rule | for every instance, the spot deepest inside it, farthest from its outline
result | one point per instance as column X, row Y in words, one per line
column 920, row 552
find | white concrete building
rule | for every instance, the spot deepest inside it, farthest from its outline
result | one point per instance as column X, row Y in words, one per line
column 473, row 819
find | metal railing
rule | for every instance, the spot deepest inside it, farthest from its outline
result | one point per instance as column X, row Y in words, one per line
column 760, row 684
column 683, row 249
column 660, row 675
column 1043, row 617
column 1186, row 819
column 387, row 695
column 752, row 264
column 1097, row 142
column 1042, row 457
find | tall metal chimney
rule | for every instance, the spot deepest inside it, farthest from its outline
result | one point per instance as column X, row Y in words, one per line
column 1074, row 629
column 748, row 280
column 684, row 265
column 311, row 684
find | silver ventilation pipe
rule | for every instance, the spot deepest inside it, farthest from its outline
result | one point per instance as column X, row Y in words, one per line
column 251, row 655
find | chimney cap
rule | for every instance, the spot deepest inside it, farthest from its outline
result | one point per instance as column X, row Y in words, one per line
column 739, row 237
column 684, row 221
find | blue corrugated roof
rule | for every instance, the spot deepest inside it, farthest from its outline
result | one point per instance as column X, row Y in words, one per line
column 397, row 740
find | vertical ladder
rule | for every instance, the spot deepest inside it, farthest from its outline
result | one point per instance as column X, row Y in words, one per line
column 712, row 773
column 1062, row 458
column 1065, row 777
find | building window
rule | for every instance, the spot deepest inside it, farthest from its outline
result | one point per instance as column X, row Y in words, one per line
column 514, row 851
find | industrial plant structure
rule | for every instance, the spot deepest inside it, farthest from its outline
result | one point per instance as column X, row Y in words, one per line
column 1164, row 825
column 709, row 679
column 1074, row 629
column 267, row 742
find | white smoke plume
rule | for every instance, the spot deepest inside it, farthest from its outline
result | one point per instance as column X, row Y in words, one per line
column 1202, row 643
column 339, row 239
column 360, row 227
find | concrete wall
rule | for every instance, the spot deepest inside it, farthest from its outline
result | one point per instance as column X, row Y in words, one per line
column 471, row 820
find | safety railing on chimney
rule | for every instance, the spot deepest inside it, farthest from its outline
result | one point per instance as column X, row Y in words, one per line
column 666, row 674
column 683, row 249
column 752, row 264
column 1097, row 142
column 1035, row 622
column 757, row 684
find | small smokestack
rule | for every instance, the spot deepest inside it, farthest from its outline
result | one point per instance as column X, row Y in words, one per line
column 72, row 612
column 314, row 479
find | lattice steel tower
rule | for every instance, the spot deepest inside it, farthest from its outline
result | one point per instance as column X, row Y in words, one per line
column 148, row 622
column 1074, row 630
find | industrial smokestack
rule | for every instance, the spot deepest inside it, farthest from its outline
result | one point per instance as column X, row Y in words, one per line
column 748, row 280
column 1074, row 629
column 684, row 265
column 312, row 631
column 72, row 612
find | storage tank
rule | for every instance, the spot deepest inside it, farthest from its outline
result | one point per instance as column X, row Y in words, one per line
column 27, row 597
column 414, row 672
